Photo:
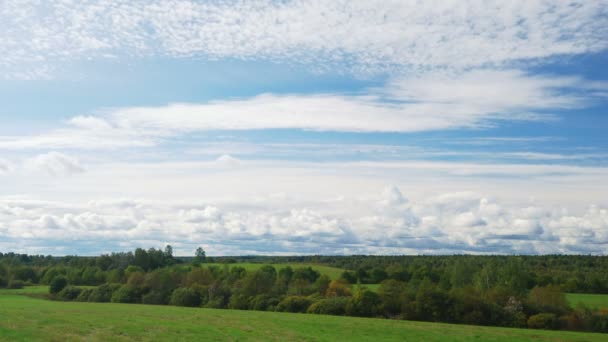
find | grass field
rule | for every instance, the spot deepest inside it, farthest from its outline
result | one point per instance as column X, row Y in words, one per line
column 592, row 301
column 332, row 272
column 24, row 318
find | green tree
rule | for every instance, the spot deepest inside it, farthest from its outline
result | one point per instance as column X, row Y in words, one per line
column 200, row 255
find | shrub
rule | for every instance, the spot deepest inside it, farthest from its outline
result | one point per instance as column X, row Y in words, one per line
column 84, row 295
column 185, row 296
column 330, row 306
column 126, row 294
column 69, row 293
column 294, row 304
column 263, row 303
column 15, row 284
column 364, row 303
column 543, row 321
column 103, row 293
column 238, row 302
column 156, row 297
column 57, row 284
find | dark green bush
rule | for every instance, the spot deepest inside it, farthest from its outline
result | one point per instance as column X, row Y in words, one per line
column 263, row 303
column 364, row 303
column 84, row 295
column 127, row 294
column 294, row 304
column 185, row 296
column 69, row 293
column 238, row 302
column 103, row 293
column 330, row 306
column 156, row 297
column 57, row 284
column 15, row 284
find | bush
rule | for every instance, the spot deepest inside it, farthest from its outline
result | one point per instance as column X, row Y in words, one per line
column 57, row 284
column 263, row 303
column 156, row 297
column 294, row 304
column 330, row 306
column 84, row 295
column 238, row 302
column 69, row 293
column 103, row 293
column 543, row 321
column 126, row 294
column 3, row 282
column 185, row 296
column 364, row 304
column 15, row 284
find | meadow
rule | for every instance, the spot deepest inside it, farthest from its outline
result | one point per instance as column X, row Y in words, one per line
column 592, row 301
column 331, row 272
column 27, row 318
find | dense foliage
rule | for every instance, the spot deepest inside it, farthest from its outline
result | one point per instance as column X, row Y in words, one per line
column 514, row 291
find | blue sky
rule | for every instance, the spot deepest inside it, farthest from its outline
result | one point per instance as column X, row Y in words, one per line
column 304, row 127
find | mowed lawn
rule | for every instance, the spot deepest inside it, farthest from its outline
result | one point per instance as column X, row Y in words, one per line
column 592, row 301
column 331, row 272
column 24, row 318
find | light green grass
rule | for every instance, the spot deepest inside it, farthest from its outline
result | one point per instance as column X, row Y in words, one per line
column 331, row 272
column 28, row 290
column 592, row 301
column 25, row 318
column 371, row 287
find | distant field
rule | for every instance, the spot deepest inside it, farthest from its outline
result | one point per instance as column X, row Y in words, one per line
column 371, row 287
column 31, row 319
column 592, row 301
column 332, row 272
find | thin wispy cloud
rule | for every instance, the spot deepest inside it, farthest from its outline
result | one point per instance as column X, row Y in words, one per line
column 465, row 100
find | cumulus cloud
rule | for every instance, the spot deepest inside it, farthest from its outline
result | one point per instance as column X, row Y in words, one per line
column 419, row 226
column 227, row 161
column 363, row 36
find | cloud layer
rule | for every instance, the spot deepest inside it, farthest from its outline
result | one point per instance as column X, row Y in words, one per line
column 463, row 222
column 363, row 36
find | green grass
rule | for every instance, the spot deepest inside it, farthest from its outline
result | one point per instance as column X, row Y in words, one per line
column 28, row 290
column 331, row 272
column 371, row 287
column 24, row 318
column 592, row 301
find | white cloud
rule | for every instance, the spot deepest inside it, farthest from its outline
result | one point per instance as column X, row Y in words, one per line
column 363, row 36
column 55, row 164
column 463, row 226
column 5, row 166
column 227, row 161
column 424, row 103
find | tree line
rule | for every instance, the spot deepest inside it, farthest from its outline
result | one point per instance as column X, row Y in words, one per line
column 512, row 291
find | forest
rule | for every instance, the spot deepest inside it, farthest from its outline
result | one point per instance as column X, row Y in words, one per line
column 510, row 291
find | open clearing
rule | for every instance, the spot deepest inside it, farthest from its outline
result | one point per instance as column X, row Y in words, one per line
column 24, row 318
column 592, row 301
column 331, row 272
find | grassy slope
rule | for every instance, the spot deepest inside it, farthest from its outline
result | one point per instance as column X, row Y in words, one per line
column 592, row 301
column 24, row 318
column 332, row 272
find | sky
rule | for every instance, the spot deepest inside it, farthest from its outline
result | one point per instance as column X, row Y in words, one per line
column 304, row 127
